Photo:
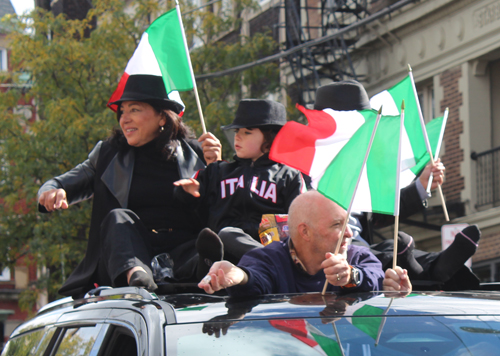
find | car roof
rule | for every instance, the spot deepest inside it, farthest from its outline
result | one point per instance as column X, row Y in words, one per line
column 197, row 308
column 191, row 308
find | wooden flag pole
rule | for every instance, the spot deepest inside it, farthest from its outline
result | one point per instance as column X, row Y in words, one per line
column 338, row 338
column 438, row 148
column 339, row 242
column 426, row 139
column 397, row 196
column 395, row 249
column 382, row 323
column 195, row 88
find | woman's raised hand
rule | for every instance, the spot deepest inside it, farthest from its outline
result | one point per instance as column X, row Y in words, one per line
column 53, row 199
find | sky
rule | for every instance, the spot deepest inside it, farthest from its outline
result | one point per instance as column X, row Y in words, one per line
column 22, row 5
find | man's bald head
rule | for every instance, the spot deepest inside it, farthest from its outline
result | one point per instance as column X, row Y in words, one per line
column 315, row 226
column 306, row 208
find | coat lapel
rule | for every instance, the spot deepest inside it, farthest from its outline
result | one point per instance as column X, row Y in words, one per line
column 187, row 160
column 118, row 176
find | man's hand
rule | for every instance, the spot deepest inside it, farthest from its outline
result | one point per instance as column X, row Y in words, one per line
column 220, row 323
column 212, row 148
column 53, row 199
column 222, row 274
column 397, row 281
column 437, row 171
column 190, row 185
column 337, row 270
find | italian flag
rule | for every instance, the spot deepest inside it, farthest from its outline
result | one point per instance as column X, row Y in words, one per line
column 313, row 148
column 162, row 51
column 308, row 334
column 376, row 191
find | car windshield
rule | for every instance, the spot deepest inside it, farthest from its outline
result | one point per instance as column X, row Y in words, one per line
column 367, row 335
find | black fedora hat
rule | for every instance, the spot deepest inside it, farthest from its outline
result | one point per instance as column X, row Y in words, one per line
column 342, row 96
column 149, row 89
column 258, row 113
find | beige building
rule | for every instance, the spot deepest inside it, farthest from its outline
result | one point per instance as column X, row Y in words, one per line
column 453, row 47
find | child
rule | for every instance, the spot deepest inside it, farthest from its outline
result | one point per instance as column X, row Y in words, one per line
column 234, row 195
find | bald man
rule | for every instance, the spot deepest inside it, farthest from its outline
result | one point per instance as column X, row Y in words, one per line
column 303, row 262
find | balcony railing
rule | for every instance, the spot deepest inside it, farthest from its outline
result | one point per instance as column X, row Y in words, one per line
column 487, row 177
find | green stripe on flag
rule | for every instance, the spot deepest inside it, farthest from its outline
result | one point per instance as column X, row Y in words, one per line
column 433, row 130
column 329, row 346
column 166, row 39
column 370, row 325
column 382, row 165
column 404, row 91
column 339, row 181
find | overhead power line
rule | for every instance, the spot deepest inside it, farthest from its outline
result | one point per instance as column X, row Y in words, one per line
column 315, row 42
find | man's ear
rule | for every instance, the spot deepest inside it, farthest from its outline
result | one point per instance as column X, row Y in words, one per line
column 303, row 230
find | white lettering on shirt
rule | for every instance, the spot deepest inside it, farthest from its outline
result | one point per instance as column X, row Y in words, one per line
column 237, row 183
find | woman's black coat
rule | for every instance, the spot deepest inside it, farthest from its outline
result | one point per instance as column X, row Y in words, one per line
column 106, row 175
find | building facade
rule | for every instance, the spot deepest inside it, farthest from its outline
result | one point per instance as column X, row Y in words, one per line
column 453, row 48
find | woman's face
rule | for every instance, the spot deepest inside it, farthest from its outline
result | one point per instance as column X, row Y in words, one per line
column 140, row 123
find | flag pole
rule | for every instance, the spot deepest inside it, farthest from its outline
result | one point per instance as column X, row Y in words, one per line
column 195, row 88
column 398, row 192
column 426, row 139
column 338, row 338
column 382, row 323
column 438, row 148
column 339, row 242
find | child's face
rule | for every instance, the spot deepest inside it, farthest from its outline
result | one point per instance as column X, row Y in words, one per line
column 247, row 143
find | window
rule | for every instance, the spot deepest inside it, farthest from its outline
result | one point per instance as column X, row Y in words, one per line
column 25, row 344
column 5, row 275
column 79, row 341
column 487, row 271
column 4, row 64
column 425, row 91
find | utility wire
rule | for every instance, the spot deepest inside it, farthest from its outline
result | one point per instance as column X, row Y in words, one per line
column 308, row 44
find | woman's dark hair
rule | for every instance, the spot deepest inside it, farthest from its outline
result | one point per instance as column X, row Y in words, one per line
column 166, row 142
column 269, row 133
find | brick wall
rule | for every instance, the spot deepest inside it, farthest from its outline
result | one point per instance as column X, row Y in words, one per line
column 266, row 21
column 454, row 154
column 489, row 248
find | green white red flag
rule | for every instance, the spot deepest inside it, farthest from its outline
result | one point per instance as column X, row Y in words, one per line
column 162, row 51
column 312, row 148
column 390, row 101
column 377, row 188
column 302, row 330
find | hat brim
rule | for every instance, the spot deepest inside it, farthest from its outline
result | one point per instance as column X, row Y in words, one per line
column 165, row 103
column 238, row 126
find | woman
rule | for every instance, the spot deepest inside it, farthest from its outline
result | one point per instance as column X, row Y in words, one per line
column 130, row 176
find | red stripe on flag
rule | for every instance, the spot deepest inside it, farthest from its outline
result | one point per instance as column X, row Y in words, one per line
column 118, row 92
column 297, row 328
column 294, row 144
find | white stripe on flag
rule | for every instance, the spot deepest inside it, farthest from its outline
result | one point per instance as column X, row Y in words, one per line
column 406, row 177
column 363, row 197
column 347, row 123
column 174, row 95
column 143, row 60
column 384, row 99
column 407, row 155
